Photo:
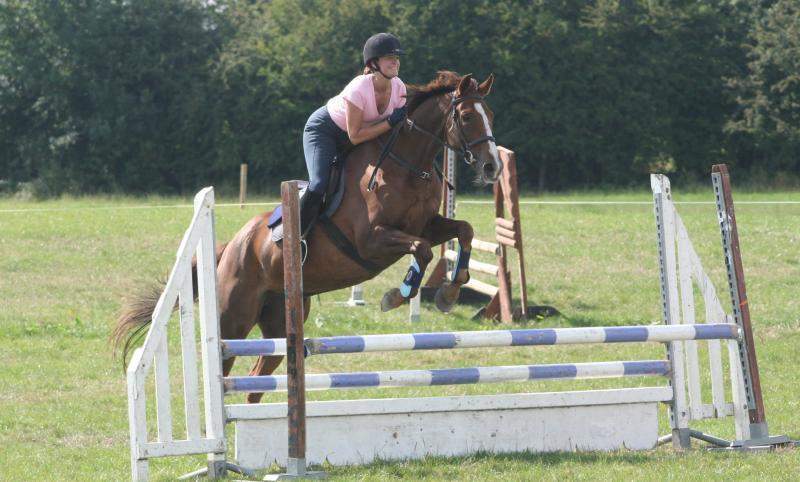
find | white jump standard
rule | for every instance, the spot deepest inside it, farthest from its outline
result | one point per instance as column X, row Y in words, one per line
column 344, row 432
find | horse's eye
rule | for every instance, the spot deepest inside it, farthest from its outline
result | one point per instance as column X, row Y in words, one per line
column 467, row 117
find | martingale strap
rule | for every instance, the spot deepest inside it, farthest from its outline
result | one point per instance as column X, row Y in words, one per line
column 440, row 174
column 424, row 175
column 385, row 152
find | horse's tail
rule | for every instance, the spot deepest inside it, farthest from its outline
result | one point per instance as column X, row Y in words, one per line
column 136, row 314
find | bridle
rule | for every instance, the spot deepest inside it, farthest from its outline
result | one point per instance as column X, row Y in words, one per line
column 464, row 149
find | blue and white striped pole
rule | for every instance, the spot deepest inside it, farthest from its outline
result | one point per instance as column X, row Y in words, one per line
column 476, row 339
column 454, row 376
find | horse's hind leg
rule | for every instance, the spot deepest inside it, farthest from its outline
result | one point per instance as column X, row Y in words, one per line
column 240, row 296
column 236, row 324
column 272, row 323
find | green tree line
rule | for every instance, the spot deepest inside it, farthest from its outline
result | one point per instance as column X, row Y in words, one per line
column 167, row 95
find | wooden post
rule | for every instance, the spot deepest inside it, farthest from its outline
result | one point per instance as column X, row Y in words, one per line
column 511, row 199
column 293, row 282
column 295, row 350
column 508, row 234
column 503, row 278
column 759, row 436
column 741, row 309
column 242, row 185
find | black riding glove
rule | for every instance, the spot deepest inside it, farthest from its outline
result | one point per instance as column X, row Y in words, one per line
column 397, row 115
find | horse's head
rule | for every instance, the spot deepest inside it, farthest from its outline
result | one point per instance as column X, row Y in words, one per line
column 470, row 128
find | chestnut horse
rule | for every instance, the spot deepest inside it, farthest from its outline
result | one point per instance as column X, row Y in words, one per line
column 390, row 208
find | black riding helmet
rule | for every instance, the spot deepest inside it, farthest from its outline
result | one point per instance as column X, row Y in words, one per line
column 380, row 45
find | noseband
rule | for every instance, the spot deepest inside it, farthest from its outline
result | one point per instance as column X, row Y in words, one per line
column 464, row 149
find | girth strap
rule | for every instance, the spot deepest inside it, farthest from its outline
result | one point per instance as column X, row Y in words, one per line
column 345, row 246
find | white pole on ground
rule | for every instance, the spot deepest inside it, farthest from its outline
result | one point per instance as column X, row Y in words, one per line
column 242, row 185
column 414, row 307
column 356, row 296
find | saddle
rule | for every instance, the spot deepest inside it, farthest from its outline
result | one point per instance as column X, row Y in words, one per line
column 331, row 201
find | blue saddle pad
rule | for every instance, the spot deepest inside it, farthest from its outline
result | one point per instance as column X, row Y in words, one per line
column 277, row 215
column 332, row 202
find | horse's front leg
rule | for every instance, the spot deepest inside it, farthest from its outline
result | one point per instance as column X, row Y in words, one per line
column 386, row 241
column 438, row 231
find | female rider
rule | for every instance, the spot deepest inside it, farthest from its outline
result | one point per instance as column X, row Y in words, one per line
column 370, row 105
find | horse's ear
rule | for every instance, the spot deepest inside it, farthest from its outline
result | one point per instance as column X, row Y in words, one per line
column 464, row 85
column 486, row 86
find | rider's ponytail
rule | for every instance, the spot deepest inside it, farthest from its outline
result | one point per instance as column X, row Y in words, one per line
column 370, row 68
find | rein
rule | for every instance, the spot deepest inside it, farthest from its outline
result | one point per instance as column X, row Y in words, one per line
column 464, row 149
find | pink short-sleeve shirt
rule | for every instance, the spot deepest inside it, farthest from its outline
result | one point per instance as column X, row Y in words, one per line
column 361, row 93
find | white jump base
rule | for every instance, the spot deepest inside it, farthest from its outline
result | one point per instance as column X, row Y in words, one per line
column 414, row 428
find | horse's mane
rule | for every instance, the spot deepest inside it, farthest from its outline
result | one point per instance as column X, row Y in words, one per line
column 445, row 81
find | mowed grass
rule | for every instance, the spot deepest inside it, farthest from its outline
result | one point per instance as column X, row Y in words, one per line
column 65, row 266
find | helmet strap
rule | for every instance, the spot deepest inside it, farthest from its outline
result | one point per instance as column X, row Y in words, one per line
column 376, row 68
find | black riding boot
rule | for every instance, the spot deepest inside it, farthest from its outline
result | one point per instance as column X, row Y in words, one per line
column 310, row 204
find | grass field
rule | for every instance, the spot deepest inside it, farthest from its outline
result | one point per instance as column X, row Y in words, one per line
column 65, row 265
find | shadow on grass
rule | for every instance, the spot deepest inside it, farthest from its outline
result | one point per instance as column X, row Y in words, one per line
column 482, row 461
column 551, row 459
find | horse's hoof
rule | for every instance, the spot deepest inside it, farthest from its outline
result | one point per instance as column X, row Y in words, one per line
column 391, row 300
column 446, row 297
